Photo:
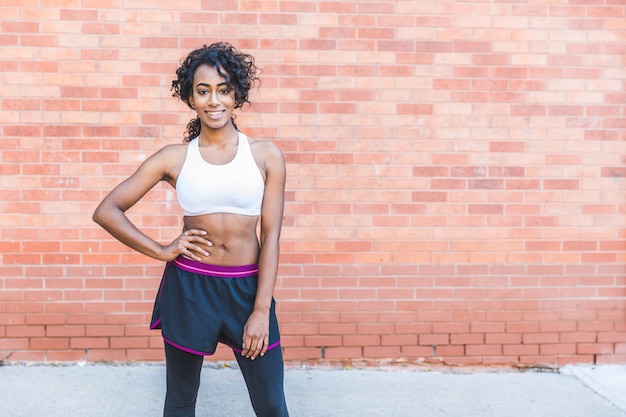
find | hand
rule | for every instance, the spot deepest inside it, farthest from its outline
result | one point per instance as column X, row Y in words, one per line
column 187, row 244
column 256, row 335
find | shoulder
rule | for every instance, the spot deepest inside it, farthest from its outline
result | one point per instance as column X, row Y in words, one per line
column 166, row 161
column 178, row 150
column 264, row 149
column 269, row 158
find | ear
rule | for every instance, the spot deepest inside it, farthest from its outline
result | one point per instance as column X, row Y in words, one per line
column 191, row 103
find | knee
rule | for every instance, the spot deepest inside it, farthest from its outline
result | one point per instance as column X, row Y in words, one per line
column 269, row 402
column 180, row 402
column 272, row 409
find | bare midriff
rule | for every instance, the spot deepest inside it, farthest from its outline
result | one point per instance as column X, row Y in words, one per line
column 234, row 238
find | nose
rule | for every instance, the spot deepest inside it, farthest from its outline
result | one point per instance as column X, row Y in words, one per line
column 213, row 98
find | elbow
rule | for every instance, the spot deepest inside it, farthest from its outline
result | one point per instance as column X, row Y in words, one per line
column 271, row 240
column 99, row 215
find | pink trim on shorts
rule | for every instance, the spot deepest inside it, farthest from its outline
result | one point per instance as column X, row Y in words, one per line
column 217, row 271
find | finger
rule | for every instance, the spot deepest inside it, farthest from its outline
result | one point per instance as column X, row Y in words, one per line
column 251, row 354
column 245, row 347
column 264, row 347
column 195, row 237
column 201, row 241
column 189, row 245
column 258, row 348
column 195, row 232
column 250, row 348
column 197, row 249
column 191, row 254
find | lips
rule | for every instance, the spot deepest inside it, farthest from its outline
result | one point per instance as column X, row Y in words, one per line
column 215, row 114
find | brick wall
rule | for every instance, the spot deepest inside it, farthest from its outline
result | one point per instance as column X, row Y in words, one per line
column 456, row 185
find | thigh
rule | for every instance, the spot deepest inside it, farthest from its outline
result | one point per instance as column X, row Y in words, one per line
column 236, row 318
column 264, row 378
column 187, row 310
column 183, row 380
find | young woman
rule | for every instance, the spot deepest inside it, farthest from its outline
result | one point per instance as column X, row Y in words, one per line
column 219, row 278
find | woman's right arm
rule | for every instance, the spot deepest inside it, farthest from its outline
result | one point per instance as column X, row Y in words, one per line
column 110, row 213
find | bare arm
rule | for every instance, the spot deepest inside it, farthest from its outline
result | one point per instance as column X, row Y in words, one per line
column 271, row 224
column 256, row 332
column 110, row 213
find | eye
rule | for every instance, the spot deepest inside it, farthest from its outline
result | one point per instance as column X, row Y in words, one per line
column 225, row 91
column 202, row 92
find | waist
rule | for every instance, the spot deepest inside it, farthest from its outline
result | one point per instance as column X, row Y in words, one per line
column 218, row 271
column 234, row 238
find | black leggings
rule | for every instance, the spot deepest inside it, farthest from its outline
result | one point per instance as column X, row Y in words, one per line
column 264, row 379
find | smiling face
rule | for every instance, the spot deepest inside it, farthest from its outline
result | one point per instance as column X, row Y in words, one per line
column 213, row 98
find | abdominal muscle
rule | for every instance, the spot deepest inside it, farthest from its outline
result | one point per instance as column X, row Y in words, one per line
column 234, row 238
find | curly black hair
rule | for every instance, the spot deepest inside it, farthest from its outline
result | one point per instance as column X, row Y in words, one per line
column 237, row 68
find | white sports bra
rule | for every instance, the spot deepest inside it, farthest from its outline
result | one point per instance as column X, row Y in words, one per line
column 236, row 187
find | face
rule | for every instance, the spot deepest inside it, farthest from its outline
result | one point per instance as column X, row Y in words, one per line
column 212, row 98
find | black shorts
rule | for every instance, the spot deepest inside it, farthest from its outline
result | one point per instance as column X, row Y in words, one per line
column 199, row 305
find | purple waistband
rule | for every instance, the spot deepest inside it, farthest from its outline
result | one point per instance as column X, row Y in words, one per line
column 218, row 271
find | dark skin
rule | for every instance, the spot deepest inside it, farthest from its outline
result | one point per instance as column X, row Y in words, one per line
column 218, row 238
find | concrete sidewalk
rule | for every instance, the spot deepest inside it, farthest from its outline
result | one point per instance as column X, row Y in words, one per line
column 137, row 391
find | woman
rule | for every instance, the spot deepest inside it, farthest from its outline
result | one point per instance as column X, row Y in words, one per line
column 219, row 278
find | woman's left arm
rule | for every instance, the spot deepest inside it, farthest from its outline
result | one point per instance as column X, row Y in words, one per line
column 256, row 331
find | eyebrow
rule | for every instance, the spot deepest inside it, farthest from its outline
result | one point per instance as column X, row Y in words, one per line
column 209, row 85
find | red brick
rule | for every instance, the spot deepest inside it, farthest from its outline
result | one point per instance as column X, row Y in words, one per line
column 382, row 352
column 66, row 356
column 37, row 40
column 528, row 110
column 507, row 147
column 343, row 352
column 68, row 14
column 434, row 339
column 296, row 354
column 50, row 344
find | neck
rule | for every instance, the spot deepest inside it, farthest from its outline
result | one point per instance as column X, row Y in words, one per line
column 223, row 136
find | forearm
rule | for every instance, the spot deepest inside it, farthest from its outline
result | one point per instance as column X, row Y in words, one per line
column 268, row 270
column 120, row 227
